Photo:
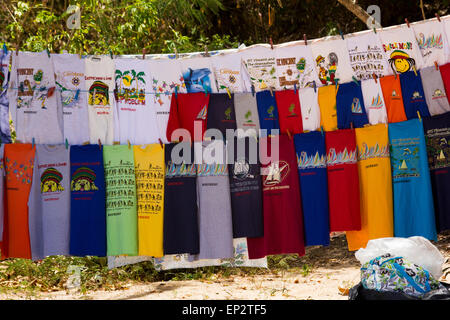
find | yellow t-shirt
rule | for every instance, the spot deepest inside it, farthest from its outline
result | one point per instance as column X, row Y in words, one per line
column 149, row 171
column 375, row 185
column 327, row 105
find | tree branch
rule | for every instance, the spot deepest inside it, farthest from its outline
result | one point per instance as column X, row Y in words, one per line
column 359, row 12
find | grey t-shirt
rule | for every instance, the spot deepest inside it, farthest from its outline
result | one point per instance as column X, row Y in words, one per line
column 49, row 202
column 214, row 207
column 434, row 90
column 246, row 111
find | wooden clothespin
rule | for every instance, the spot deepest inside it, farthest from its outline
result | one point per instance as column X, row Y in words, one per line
column 418, row 115
column 342, row 35
column 395, row 74
column 129, row 144
column 415, row 70
column 351, row 125
column 229, row 93
column 374, row 76
column 206, row 51
column 289, row 134
column 407, row 22
column 143, row 53
column 271, row 91
column 438, row 17
column 375, row 30
column 271, row 43
column 176, row 52
column 67, row 144
column 100, row 144
column 253, row 90
column 436, row 65
column 304, row 39
column 161, row 143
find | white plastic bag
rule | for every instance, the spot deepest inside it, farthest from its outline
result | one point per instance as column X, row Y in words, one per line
column 417, row 250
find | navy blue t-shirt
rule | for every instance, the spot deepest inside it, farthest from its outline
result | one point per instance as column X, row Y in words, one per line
column 350, row 106
column 437, row 134
column 245, row 188
column 88, row 212
column 413, row 95
column 267, row 111
column 312, row 171
column 180, row 201
column 221, row 113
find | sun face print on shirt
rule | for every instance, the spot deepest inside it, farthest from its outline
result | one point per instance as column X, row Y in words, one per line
column 99, row 94
column 83, row 179
column 401, row 62
column 51, row 181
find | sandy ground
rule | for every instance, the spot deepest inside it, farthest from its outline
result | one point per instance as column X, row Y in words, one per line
column 333, row 270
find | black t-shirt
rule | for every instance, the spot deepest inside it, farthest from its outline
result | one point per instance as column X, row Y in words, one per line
column 437, row 134
column 180, row 201
column 221, row 113
column 245, row 188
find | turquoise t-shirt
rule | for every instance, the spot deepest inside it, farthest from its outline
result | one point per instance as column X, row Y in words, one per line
column 413, row 201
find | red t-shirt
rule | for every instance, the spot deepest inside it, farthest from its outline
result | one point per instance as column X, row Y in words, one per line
column 289, row 113
column 445, row 73
column 186, row 109
column 19, row 162
column 343, row 180
column 282, row 210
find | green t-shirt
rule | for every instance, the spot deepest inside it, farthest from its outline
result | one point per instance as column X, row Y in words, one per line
column 121, row 214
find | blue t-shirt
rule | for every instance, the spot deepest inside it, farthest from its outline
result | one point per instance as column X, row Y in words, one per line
column 437, row 132
column 350, row 106
column 413, row 95
column 312, row 170
column 413, row 201
column 88, row 212
column 267, row 111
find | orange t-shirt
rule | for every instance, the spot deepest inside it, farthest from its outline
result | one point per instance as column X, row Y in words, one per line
column 392, row 93
column 19, row 161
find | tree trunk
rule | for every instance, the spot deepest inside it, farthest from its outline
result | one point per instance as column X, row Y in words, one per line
column 359, row 12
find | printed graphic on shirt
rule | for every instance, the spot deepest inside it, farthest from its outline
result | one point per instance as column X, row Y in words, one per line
column 83, row 179
column 395, row 96
column 99, row 94
column 405, row 158
column 248, row 119
column 356, row 106
column 241, row 170
column 374, row 151
column 214, row 169
column 20, row 171
column 431, row 41
column 291, row 111
column 262, row 72
column 131, row 87
column 399, row 60
column 311, row 161
column 343, row 157
column 416, row 97
column 367, row 61
column 292, row 73
column 34, row 89
column 120, row 186
column 438, row 94
column 164, row 89
column 327, row 68
column 270, row 113
column 377, row 102
column 275, row 174
column 203, row 113
column 227, row 78
column 69, row 85
column 51, row 181
column 197, row 80
column 149, row 188
column 180, row 170
column 438, row 148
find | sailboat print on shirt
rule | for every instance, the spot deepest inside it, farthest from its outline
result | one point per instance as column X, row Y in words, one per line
column 356, row 106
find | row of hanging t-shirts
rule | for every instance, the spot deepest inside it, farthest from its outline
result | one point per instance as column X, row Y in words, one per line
column 370, row 182
column 126, row 99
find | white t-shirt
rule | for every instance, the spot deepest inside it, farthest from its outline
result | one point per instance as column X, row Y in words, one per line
column 228, row 72
column 401, row 49
column 431, row 39
column 332, row 61
column 99, row 76
column 136, row 112
column 198, row 74
column 309, row 106
column 295, row 65
column 70, row 87
column 446, row 23
column 166, row 76
column 33, row 103
column 367, row 56
column 374, row 101
column 260, row 68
